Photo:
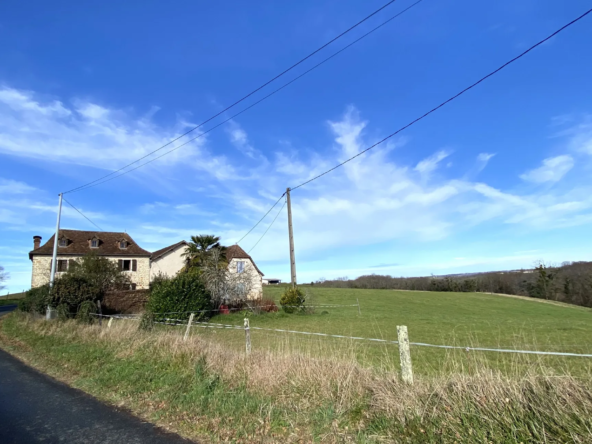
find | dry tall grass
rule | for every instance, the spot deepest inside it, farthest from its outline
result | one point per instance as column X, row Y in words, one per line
column 462, row 404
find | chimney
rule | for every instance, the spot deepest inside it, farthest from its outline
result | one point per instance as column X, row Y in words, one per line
column 36, row 242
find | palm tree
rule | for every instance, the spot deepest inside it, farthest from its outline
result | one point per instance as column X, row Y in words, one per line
column 200, row 248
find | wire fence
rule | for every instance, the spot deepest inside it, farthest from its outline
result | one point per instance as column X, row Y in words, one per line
column 201, row 324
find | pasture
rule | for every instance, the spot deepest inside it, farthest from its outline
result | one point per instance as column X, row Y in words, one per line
column 459, row 319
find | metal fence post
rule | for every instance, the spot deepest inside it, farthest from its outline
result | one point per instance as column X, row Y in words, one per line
column 247, row 336
column 405, row 354
column 188, row 326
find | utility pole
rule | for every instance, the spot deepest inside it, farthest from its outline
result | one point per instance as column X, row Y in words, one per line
column 55, row 245
column 292, row 258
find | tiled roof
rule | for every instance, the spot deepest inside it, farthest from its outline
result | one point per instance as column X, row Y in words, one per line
column 236, row 252
column 158, row 253
column 79, row 244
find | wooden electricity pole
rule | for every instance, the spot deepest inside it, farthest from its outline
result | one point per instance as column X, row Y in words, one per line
column 292, row 258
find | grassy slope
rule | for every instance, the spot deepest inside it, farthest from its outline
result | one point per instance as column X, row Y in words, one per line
column 465, row 319
column 201, row 390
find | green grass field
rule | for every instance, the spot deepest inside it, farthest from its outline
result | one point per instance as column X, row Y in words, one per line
column 461, row 319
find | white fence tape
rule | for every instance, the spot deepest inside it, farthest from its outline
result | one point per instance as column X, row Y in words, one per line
column 356, row 338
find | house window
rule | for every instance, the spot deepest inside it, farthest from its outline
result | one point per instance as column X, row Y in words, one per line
column 240, row 266
column 62, row 265
column 94, row 243
column 63, row 242
column 128, row 264
column 123, row 245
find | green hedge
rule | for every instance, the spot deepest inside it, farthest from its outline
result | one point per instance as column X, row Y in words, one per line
column 178, row 296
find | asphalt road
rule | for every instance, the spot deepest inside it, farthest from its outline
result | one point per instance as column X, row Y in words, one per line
column 6, row 309
column 35, row 408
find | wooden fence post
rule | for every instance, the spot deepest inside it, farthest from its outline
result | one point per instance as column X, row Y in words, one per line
column 404, row 354
column 247, row 336
column 359, row 311
column 100, row 313
column 110, row 322
column 188, row 326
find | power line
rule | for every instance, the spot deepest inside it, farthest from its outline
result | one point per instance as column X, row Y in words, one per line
column 108, row 178
column 82, row 214
column 263, row 235
column 447, row 101
column 245, row 97
column 264, row 216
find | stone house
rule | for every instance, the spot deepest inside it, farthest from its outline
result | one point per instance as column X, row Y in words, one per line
column 73, row 244
column 170, row 260
column 141, row 265
column 239, row 261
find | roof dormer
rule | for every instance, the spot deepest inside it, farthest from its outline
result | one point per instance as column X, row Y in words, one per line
column 63, row 242
column 94, row 242
column 123, row 244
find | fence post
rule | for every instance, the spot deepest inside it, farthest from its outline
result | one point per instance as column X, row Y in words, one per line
column 359, row 311
column 247, row 336
column 100, row 313
column 404, row 354
column 188, row 326
column 110, row 322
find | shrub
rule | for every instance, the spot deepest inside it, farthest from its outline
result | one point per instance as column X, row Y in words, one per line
column 86, row 311
column 35, row 300
column 263, row 306
column 72, row 291
column 183, row 294
column 63, row 312
column 147, row 321
column 292, row 300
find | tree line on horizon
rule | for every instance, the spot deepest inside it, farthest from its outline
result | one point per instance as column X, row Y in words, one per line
column 571, row 282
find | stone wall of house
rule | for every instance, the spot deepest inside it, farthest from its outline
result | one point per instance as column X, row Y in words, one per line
column 169, row 264
column 256, row 279
column 42, row 270
column 125, row 302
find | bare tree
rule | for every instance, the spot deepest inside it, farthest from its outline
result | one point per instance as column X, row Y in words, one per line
column 3, row 277
column 225, row 286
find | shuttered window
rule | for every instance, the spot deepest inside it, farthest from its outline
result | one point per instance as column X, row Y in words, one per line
column 134, row 265
column 62, row 265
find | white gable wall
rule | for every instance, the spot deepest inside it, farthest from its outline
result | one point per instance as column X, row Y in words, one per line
column 256, row 278
column 169, row 264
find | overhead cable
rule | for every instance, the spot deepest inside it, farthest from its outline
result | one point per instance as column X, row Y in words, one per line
column 447, row 101
column 264, row 216
column 82, row 214
column 272, row 222
column 240, row 100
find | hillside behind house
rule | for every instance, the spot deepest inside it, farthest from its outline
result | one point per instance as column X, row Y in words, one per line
column 571, row 283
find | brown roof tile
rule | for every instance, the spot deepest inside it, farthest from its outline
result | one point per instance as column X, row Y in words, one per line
column 78, row 244
column 236, row 252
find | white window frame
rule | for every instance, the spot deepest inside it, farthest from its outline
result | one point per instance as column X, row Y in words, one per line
column 92, row 241
column 62, row 242
column 240, row 266
column 122, row 245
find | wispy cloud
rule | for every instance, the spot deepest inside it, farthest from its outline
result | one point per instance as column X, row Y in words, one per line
column 429, row 165
column 552, row 170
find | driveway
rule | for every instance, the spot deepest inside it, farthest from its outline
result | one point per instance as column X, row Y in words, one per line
column 35, row 408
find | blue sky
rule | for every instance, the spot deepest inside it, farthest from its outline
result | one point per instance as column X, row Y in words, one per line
column 498, row 179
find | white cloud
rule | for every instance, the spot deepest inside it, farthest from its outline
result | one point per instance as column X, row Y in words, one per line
column 86, row 133
column 552, row 170
column 8, row 186
column 429, row 165
column 485, row 157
